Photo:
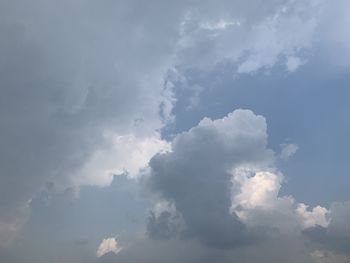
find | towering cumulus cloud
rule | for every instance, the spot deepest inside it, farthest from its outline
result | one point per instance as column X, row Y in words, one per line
column 195, row 175
column 218, row 193
column 219, row 190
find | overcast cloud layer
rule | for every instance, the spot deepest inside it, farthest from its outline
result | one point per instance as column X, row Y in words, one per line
column 109, row 151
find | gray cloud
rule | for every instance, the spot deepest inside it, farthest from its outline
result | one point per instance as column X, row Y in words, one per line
column 163, row 226
column 229, row 156
column 85, row 91
column 196, row 176
column 335, row 237
column 273, row 250
column 65, row 83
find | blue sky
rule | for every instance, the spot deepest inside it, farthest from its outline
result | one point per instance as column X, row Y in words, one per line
column 304, row 108
column 174, row 131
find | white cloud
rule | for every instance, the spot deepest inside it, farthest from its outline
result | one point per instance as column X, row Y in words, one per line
column 108, row 245
column 282, row 30
column 259, row 190
column 256, row 201
column 317, row 216
column 124, row 154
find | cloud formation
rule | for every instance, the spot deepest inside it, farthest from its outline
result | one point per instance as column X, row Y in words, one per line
column 90, row 96
column 108, row 245
column 74, row 92
column 195, row 174
column 221, row 179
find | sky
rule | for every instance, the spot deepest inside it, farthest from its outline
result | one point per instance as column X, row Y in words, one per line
column 174, row 131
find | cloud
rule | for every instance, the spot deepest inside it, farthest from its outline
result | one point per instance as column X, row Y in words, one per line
column 259, row 190
column 320, row 256
column 86, row 98
column 293, row 63
column 189, row 251
column 66, row 84
column 257, row 201
column 133, row 155
column 221, row 176
column 288, row 150
column 318, row 216
column 77, row 95
column 195, row 175
column 163, row 221
column 252, row 39
column 108, row 245
column 219, row 191
column 335, row 236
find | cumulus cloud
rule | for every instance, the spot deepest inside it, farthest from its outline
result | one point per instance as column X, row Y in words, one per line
column 318, row 216
column 335, row 236
column 108, row 245
column 221, row 176
column 195, row 174
column 257, row 201
column 259, row 190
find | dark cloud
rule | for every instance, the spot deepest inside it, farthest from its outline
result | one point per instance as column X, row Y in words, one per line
column 336, row 236
column 196, row 176
column 163, row 226
column 70, row 73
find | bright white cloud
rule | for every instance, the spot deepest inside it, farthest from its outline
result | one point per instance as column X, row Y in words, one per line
column 256, row 201
column 318, row 216
column 125, row 154
column 108, row 245
column 259, row 190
